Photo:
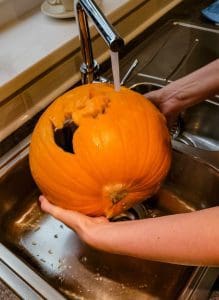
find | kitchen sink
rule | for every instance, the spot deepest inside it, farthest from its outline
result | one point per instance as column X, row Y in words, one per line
column 48, row 259
column 198, row 126
column 75, row 270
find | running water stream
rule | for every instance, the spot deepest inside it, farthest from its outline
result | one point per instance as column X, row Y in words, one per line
column 115, row 69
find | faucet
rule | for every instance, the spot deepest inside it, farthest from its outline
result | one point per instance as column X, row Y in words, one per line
column 83, row 8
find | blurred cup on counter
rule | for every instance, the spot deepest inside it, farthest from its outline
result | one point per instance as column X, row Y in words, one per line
column 68, row 5
column 54, row 2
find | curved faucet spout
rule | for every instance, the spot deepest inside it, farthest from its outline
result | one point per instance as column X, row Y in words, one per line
column 83, row 8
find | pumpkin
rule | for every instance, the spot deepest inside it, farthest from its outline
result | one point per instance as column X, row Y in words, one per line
column 118, row 154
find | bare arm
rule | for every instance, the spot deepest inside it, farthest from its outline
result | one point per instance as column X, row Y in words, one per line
column 191, row 238
column 188, row 90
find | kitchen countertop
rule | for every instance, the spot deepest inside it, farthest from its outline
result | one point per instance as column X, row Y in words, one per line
column 35, row 42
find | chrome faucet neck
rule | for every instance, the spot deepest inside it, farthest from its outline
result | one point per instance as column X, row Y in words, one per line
column 83, row 8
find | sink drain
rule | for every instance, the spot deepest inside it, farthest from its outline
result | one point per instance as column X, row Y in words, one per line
column 137, row 212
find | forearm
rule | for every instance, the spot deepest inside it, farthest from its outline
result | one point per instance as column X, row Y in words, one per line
column 191, row 238
column 188, row 90
column 200, row 84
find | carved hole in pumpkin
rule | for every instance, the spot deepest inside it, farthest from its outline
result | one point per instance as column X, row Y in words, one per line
column 63, row 136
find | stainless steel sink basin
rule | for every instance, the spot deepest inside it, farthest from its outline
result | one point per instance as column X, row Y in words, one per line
column 79, row 272
column 199, row 126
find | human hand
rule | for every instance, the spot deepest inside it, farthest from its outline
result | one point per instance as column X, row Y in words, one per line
column 186, row 91
column 166, row 101
column 149, row 238
column 176, row 97
column 83, row 225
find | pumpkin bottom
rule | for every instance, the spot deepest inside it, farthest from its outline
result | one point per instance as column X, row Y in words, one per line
column 115, row 199
column 118, row 198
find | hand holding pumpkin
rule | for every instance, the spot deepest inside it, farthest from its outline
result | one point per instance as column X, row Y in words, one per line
column 186, row 91
column 80, row 223
column 176, row 238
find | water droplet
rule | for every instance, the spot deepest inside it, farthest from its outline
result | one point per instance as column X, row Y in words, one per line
column 34, row 243
column 84, row 259
column 98, row 277
column 61, row 278
column 50, row 251
column 123, row 286
column 143, row 285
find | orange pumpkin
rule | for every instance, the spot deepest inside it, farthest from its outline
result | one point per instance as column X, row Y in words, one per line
column 120, row 150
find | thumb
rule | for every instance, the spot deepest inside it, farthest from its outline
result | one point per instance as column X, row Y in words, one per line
column 72, row 219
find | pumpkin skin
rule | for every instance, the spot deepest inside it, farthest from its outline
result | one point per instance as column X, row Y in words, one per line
column 121, row 146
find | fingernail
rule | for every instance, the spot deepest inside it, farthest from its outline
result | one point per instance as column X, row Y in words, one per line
column 40, row 198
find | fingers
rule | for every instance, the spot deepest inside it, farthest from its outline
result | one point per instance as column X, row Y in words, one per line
column 77, row 221
column 70, row 218
column 152, row 96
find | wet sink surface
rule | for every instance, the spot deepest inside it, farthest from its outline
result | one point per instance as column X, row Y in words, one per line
column 76, row 270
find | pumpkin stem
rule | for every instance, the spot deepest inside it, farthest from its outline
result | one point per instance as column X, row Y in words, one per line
column 116, row 192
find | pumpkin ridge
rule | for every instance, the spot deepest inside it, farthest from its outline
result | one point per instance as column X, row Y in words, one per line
column 64, row 175
column 88, row 166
